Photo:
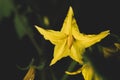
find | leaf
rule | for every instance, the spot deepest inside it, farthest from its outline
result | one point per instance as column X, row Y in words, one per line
column 6, row 7
column 19, row 26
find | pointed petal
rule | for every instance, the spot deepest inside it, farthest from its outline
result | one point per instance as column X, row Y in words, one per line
column 89, row 40
column 87, row 72
column 107, row 52
column 60, row 51
column 74, row 25
column 117, row 45
column 66, row 28
column 53, row 36
column 30, row 75
column 75, row 72
column 76, row 52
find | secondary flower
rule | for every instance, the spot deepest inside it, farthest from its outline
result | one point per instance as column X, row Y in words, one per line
column 111, row 51
column 30, row 75
column 69, row 41
column 87, row 71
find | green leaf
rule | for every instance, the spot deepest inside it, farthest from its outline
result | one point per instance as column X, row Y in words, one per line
column 19, row 26
column 6, row 7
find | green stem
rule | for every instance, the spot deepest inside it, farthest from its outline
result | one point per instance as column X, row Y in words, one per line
column 70, row 68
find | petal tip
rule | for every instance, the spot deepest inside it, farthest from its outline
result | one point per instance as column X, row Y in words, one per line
column 36, row 26
column 107, row 32
column 52, row 62
column 70, row 10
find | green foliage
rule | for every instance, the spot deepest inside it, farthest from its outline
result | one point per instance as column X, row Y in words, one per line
column 20, row 25
column 6, row 7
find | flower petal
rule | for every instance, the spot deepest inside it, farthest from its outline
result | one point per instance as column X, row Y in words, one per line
column 76, row 52
column 74, row 25
column 87, row 72
column 117, row 45
column 30, row 75
column 75, row 72
column 60, row 51
column 89, row 40
column 66, row 28
column 54, row 36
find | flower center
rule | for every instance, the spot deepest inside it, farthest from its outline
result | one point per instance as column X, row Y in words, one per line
column 70, row 40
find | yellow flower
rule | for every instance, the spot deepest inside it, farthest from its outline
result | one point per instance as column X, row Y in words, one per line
column 111, row 51
column 69, row 41
column 30, row 75
column 117, row 45
column 87, row 71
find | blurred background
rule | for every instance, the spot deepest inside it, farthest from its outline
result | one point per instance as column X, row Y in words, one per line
column 21, row 43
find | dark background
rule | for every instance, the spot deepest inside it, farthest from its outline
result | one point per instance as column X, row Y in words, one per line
column 92, row 16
